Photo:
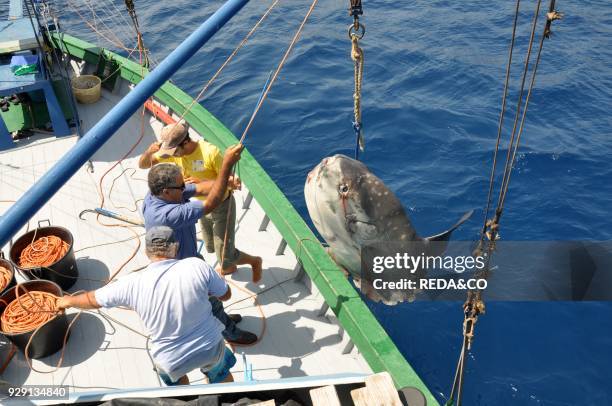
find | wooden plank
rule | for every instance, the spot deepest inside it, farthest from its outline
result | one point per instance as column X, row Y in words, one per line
column 381, row 387
column 270, row 402
column 324, row 396
column 363, row 397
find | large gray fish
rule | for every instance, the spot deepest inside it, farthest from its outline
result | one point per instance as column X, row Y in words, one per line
column 351, row 208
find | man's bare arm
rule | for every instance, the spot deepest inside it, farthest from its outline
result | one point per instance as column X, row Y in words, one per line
column 85, row 300
column 215, row 197
column 147, row 159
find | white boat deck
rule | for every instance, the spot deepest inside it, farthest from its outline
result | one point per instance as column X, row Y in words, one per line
column 299, row 339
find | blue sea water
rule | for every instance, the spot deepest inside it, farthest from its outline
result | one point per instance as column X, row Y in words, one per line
column 432, row 90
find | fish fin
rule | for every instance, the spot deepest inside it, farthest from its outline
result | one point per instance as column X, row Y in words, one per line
column 445, row 236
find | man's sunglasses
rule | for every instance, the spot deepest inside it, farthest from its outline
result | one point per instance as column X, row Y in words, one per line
column 180, row 187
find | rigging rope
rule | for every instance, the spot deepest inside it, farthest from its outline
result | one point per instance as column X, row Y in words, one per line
column 356, row 32
column 129, row 5
column 294, row 40
column 491, row 226
column 508, row 164
column 474, row 304
column 198, row 98
column 117, row 41
column 262, row 98
column 550, row 17
column 500, row 125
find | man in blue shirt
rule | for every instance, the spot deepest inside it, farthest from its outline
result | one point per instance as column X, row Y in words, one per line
column 168, row 204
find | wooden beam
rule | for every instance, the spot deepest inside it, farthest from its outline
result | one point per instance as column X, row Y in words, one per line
column 363, row 397
column 324, row 396
column 383, row 390
column 270, row 402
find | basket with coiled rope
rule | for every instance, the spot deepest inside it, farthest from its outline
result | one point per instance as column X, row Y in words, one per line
column 46, row 253
column 7, row 274
column 27, row 315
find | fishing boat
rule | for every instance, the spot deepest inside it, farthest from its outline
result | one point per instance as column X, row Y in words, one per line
column 73, row 164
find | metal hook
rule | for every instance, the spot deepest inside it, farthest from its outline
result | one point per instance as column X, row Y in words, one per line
column 354, row 29
column 86, row 211
column 110, row 214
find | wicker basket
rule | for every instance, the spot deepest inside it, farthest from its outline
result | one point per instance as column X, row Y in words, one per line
column 86, row 88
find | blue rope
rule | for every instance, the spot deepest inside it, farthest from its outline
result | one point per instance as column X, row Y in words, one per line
column 357, row 128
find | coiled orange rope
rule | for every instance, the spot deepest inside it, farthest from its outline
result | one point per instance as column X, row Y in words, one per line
column 26, row 313
column 43, row 252
column 5, row 277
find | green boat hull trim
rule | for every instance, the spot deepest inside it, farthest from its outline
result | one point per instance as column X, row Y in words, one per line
column 367, row 334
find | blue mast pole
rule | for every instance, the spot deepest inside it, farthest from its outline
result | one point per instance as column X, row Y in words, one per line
column 70, row 163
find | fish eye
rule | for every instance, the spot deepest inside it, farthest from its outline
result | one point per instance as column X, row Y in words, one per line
column 343, row 188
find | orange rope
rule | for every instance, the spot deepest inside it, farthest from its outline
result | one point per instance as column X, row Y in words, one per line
column 45, row 251
column 263, row 316
column 31, row 314
column 103, row 198
column 101, row 191
column 27, row 313
column 5, row 277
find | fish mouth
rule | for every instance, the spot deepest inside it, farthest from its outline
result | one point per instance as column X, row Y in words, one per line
column 312, row 174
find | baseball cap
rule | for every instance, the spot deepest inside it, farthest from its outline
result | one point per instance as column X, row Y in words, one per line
column 171, row 137
column 159, row 236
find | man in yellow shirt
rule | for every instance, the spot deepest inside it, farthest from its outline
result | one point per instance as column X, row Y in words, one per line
column 201, row 161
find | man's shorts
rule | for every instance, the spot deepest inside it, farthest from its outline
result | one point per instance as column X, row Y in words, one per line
column 216, row 374
column 221, row 370
column 214, row 225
